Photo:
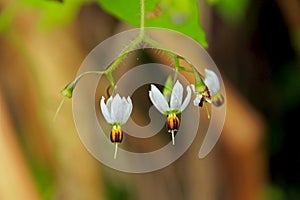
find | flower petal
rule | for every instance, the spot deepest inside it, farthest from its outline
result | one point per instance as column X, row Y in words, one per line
column 127, row 108
column 108, row 103
column 158, row 99
column 105, row 111
column 197, row 100
column 212, row 82
column 193, row 89
column 116, row 109
column 122, row 107
column 187, row 99
column 176, row 97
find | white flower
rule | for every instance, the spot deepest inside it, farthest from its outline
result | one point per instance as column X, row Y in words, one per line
column 176, row 105
column 200, row 97
column 210, row 88
column 117, row 110
column 212, row 82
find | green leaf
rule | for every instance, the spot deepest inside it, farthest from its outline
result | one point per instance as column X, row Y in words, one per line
column 6, row 16
column 50, row 12
column 178, row 15
column 127, row 10
column 55, row 13
column 232, row 10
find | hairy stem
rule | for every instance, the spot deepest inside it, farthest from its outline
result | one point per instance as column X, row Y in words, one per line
column 142, row 22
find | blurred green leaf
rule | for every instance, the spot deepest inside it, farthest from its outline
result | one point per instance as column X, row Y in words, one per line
column 178, row 15
column 54, row 12
column 231, row 10
column 116, row 191
column 275, row 193
column 289, row 86
column 44, row 178
column 127, row 10
column 50, row 12
column 6, row 16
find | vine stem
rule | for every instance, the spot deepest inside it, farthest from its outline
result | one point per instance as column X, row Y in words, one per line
column 142, row 22
column 85, row 73
column 115, row 63
column 58, row 109
column 130, row 47
column 170, row 53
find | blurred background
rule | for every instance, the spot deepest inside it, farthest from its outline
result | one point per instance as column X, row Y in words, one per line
column 256, row 46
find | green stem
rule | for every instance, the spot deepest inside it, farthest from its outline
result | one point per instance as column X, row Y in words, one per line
column 207, row 111
column 68, row 90
column 58, row 109
column 112, row 83
column 86, row 73
column 130, row 47
column 114, row 64
column 142, row 23
column 170, row 53
column 125, row 51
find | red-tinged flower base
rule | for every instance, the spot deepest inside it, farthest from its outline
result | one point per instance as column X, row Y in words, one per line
column 116, row 135
column 173, row 123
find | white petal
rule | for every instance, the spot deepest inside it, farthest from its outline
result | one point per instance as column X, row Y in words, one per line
column 123, row 114
column 193, row 88
column 122, row 109
column 116, row 108
column 197, row 100
column 212, row 82
column 108, row 103
column 208, row 100
column 187, row 98
column 127, row 110
column 105, row 111
column 158, row 99
column 176, row 96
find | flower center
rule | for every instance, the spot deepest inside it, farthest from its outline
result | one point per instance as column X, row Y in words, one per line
column 116, row 134
column 173, row 123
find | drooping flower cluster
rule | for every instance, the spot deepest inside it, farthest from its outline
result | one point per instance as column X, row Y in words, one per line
column 117, row 110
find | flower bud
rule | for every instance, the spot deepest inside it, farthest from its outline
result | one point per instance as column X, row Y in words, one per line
column 68, row 90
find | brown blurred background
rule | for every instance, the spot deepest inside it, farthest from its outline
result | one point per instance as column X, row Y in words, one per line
column 256, row 158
